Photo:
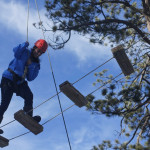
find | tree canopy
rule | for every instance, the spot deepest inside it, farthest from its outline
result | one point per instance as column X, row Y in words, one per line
column 119, row 21
column 112, row 22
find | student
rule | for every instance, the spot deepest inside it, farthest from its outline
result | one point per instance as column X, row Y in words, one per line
column 25, row 65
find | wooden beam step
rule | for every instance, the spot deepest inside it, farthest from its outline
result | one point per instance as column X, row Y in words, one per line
column 73, row 94
column 28, row 122
column 3, row 142
column 123, row 60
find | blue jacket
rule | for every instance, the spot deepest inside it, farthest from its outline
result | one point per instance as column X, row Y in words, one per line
column 21, row 55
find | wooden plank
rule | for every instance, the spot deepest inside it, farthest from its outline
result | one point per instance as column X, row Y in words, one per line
column 28, row 122
column 123, row 60
column 3, row 142
column 73, row 94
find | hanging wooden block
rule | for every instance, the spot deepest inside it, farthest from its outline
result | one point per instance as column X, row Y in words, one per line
column 123, row 60
column 28, row 122
column 3, row 142
column 73, row 94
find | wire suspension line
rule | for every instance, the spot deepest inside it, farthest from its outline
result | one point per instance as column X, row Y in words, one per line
column 55, row 85
column 28, row 21
column 93, row 70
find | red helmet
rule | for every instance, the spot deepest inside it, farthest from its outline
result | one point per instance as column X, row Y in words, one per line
column 41, row 44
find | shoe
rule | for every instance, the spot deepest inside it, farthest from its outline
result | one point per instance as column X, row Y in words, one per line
column 37, row 118
column 1, row 131
column 1, row 118
column 28, row 110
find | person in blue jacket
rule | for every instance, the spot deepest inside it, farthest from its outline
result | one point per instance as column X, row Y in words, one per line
column 25, row 65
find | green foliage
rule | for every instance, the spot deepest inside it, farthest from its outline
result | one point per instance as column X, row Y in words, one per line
column 129, row 104
column 129, row 100
column 109, row 23
column 116, row 21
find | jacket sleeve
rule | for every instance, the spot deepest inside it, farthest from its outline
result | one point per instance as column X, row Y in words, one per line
column 33, row 70
column 20, row 49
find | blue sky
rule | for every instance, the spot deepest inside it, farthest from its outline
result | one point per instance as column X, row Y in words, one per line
column 74, row 61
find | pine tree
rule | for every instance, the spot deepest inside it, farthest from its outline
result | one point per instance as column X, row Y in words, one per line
column 112, row 22
column 119, row 21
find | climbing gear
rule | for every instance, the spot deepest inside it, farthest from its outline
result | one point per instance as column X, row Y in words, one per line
column 28, row 21
column 15, row 76
column 42, row 45
column 25, row 73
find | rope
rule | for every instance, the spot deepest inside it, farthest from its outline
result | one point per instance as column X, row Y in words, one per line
column 93, row 70
column 28, row 54
column 58, row 114
column 7, row 123
column 27, row 21
column 55, row 84
column 19, row 135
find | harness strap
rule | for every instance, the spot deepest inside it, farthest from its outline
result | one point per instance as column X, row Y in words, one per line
column 15, row 76
column 25, row 72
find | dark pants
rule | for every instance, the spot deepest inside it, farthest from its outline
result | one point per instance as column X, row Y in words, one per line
column 8, row 87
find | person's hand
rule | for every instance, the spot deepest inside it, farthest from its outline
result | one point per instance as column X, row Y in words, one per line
column 27, row 42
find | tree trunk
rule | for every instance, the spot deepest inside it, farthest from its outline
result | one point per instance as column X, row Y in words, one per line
column 147, row 10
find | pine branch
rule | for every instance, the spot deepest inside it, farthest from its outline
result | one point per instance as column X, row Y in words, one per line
column 121, row 123
column 144, row 71
column 137, row 129
column 108, row 21
column 145, row 123
column 137, row 107
column 125, row 3
column 146, row 81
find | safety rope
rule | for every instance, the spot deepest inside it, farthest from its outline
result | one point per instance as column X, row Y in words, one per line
column 28, row 55
column 28, row 21
column 55, row 83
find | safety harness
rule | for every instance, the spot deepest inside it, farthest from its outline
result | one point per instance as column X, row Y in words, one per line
column 16, row 77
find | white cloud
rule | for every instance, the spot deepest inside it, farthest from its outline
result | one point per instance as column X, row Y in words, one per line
column 14, row 16
column 95, row 130
column 80, row 135
column 86, row 50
